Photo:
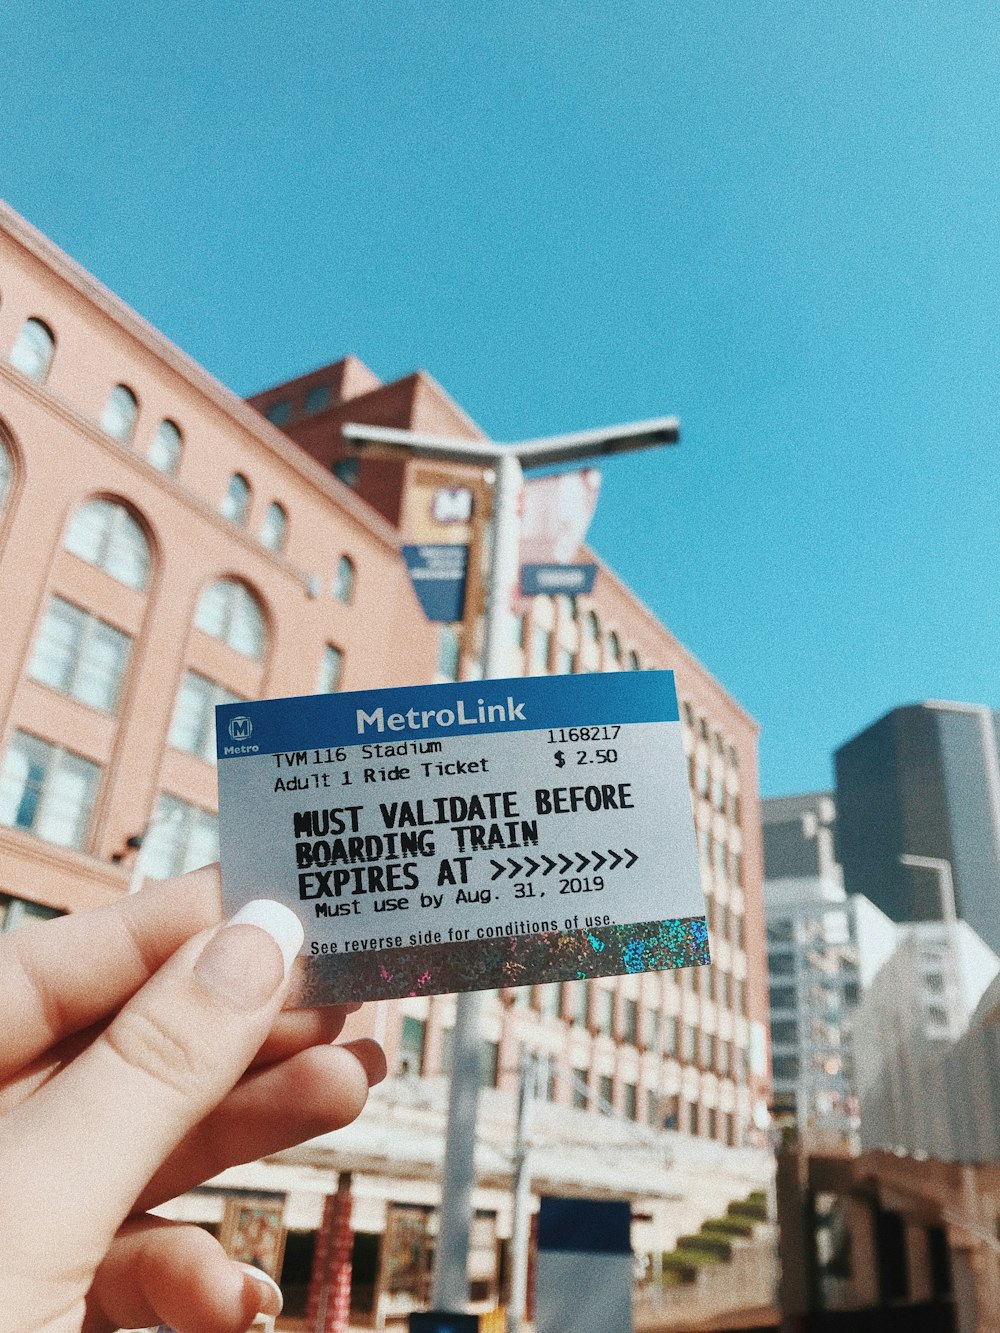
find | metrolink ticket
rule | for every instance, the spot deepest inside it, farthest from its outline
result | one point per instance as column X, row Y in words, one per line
column 466, row 836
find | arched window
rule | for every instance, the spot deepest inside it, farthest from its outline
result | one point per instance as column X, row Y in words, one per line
column 343, row 583
column 274, row 528
column 236, row 501
column 120, row 412
column 105, row 534
column 165, row 451
column 591, row 628
column 614, row 651
column 32, row 353
column 230, row 612
column 633, row 661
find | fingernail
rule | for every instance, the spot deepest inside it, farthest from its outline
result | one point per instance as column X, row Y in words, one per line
column 370, row 1055
column 268, row 1292
column 235, row 968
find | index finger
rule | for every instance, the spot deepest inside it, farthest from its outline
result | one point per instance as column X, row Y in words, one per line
column 69, row 973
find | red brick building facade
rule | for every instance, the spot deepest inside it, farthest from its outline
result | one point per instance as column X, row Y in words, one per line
column 164, row 546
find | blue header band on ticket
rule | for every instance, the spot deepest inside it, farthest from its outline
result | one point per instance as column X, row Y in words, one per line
column 477, row 707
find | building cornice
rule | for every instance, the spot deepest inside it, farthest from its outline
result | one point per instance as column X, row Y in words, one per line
column 227, row 403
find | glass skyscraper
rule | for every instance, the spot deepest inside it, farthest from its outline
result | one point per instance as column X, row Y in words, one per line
column 924, row 782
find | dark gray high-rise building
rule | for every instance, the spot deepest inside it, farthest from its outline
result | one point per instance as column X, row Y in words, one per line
column 924, row 782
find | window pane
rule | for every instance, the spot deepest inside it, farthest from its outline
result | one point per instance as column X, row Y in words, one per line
column 246, row 630
column 101, row 666
column 58, row 645
column 279, row 412
column 317, row 398
column 165, row 451
column 181, row 837
column 64, row 810
column 32, row 353
column 329, row 670
column 448, row 653
column 343, row 583
column 6, row 473
column 106, row 535
column 47, row 791
column 22, row 779
column 213, row 609
column 633, row 661
column 272, row 534
column 236, row 502
column 229, row 612
column 120, row 412
column 193, row 725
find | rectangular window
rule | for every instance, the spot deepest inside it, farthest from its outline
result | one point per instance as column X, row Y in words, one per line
column 16, row 912
column 541, row 643
column 411, row 1045
column 690, row 1042
column 652, row 1108
column 693, row 1118
column 47, row 791
column 606, row 1093
column 605, row 1010
column 652, row 1033
column 631, row 1017
column 193, row 725
column 784, row 1032
column 781, row 964
column 331, row 668
column 708, row 1049
column 580, row 1089
column 181, row 837
column 579, row 1001
column 564, row 661
column 631, row 1101
column 713, row 1123
column 670, row 1033
column 80, row 655
column 782, row 997
column 490, row 1070
column 785, row 1067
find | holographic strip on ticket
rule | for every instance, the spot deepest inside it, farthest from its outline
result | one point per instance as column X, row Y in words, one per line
column 466, row 836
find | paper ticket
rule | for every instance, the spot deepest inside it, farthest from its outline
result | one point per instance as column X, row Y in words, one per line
column 466, row 836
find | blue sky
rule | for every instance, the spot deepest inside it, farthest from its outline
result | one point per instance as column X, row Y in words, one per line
column 777, row 220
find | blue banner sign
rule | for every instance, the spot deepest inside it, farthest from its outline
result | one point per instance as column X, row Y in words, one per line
column 537, row 580
column 438, row 572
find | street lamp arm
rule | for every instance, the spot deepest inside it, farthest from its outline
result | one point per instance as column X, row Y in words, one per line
column 387, row 442
column 584, row 444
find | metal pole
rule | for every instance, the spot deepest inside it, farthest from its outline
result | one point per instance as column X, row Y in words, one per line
column 450, row 1285
column 520, row 1235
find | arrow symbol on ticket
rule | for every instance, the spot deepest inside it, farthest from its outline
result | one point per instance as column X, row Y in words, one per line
column 549, row 864
column 599, row 860
column 582, row 861
column 634, row 857
column 498, row 869
column 532, row 865
column 567, row 862
column 515, row 866
column 617, row 858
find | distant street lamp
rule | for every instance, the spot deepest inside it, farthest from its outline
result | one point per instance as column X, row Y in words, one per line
column 957, row 1014
column 450, row 1288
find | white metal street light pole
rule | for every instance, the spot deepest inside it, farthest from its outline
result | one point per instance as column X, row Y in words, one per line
column 957, row 1010
column 450, row 1286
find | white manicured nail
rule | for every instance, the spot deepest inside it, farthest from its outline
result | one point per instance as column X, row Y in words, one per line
column 280, row 922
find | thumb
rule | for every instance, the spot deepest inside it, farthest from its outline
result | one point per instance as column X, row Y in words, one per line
column 78, row 1153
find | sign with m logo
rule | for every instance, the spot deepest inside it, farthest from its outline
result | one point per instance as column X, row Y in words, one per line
column 240, row 729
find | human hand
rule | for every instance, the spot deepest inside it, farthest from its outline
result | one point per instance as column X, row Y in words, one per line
column 144, row 1050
